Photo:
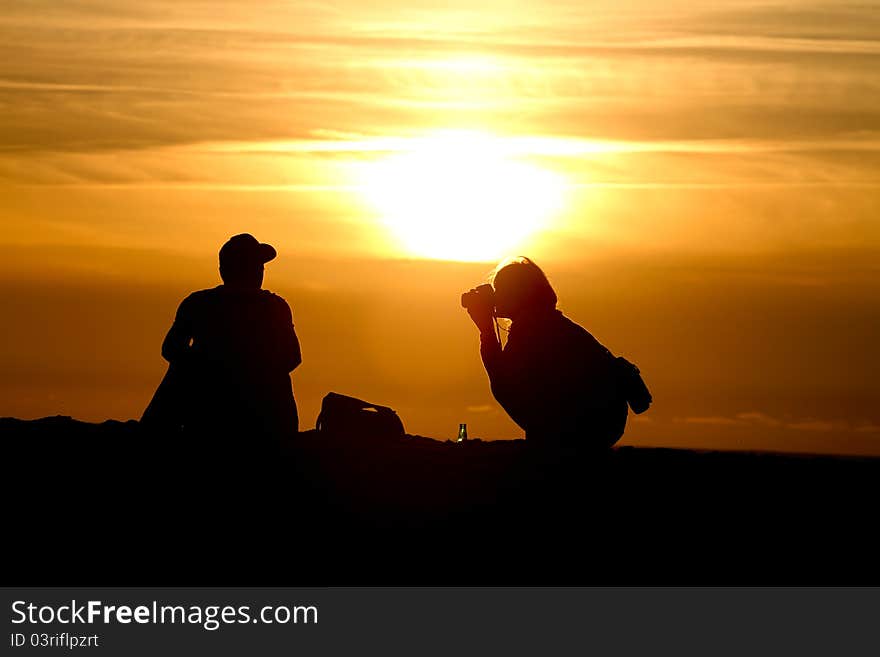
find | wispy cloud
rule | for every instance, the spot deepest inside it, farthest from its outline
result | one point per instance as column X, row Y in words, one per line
column 759, row 419
column 95, row 75
column 711, row 420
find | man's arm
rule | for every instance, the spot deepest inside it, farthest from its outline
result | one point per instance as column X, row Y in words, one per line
column 290, row 354
column 176, row 343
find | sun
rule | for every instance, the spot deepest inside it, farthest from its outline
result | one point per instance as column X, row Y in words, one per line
column 461, row 196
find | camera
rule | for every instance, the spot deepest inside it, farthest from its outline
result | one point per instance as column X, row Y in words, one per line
column 482, row 295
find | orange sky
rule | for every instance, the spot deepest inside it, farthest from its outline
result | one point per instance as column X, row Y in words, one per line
column 701, row 186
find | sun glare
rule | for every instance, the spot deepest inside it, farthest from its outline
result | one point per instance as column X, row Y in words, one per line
column 461, row 196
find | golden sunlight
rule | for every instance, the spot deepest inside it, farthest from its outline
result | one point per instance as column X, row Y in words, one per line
column 461, row 196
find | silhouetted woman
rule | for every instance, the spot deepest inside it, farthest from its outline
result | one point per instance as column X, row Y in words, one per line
column 553, row 378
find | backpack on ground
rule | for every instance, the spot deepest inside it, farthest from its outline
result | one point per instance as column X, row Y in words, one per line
column 351, row 417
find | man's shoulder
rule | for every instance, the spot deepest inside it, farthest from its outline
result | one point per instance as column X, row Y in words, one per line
column 206, row 293
column 276, row 303
column 201, row 301
column 199, row 297
column 273, row 298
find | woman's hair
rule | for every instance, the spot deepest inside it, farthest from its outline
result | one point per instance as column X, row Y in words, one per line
column 527, row 283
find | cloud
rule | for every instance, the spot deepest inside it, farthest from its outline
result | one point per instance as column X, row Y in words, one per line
column 868, row 428
column 817, row 21
column 88, row 76
column 712, row 420
column 760, row 419
column 815, row 425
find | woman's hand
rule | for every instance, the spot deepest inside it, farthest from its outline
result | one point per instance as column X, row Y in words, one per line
column 482, row 315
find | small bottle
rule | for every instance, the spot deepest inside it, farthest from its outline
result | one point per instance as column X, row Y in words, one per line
column 462, row 432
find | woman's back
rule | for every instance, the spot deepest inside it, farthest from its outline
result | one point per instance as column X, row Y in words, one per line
column 553, row 378
column 559, row 383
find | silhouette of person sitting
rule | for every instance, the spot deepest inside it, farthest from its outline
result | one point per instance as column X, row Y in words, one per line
column 230, row 350
column 553, row 378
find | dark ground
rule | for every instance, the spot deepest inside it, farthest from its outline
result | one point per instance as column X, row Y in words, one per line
column 108, row 504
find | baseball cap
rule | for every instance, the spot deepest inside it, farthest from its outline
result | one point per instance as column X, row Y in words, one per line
column 244, row 249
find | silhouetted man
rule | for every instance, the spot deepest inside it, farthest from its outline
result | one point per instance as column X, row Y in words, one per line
column 231, row 350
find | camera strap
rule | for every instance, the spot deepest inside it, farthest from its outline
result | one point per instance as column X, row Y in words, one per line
column 497, row 330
